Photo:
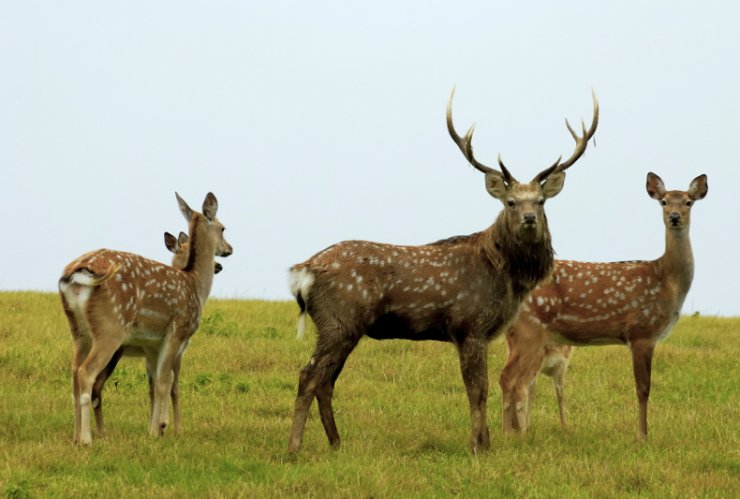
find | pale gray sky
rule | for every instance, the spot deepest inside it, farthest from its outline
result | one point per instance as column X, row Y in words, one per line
column 316, row 122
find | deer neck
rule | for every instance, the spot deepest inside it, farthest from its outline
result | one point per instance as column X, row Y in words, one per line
column 201, row 257
column 527, row 262
column 678, row 260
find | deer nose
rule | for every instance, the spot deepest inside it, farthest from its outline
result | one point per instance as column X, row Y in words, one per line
column 674, row 217
column 530, row 218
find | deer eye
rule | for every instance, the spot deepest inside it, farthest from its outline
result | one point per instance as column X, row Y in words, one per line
column 541, row 201
column 511, row 203
column 663, row 202
column 689, row 203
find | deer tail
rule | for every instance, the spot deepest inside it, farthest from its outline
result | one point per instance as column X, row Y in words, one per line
column 301, row 281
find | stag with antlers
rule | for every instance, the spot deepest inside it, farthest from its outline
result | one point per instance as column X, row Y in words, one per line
column 463, row 290
column 633, row 303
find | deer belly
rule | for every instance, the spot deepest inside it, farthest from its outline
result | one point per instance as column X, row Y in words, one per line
column 398, row 326
column 149, row 328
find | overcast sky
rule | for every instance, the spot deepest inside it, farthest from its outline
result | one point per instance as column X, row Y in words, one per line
column 316, row 122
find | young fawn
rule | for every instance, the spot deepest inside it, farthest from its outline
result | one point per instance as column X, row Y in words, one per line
column 463, row 290
column 634, row 303
column 114, row 299
column 180, row 248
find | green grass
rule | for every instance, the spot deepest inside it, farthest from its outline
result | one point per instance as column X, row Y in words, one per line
column 401, row 410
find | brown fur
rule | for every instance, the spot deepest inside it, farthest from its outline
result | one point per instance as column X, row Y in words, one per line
column 146, row 305
column 180, row 247
column 462, row 290
column 634, row 303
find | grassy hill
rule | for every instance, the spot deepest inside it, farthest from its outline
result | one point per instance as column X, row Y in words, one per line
column 401, row 410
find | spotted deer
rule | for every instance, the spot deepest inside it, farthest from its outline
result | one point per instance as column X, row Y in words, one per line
column 635, row 303
column 114, row 299
column 180, row 248
column 463, row 290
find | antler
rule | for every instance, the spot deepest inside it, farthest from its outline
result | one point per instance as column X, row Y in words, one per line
column 581, row 143
column 466, row 146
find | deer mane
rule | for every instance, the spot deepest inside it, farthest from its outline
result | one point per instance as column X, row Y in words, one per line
column 526, row 262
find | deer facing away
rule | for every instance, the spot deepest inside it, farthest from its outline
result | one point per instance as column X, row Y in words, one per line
column 114, row 299
column 463, row 290
column 180, row 248
column 634, row 303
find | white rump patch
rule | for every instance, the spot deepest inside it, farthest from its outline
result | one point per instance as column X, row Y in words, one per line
column 300, row 281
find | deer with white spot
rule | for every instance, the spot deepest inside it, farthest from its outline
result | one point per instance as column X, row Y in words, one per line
column 635, row 303
column 180, row 248
column 114, row 299
column 463, row 290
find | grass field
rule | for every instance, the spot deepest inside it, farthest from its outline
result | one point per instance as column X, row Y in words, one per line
column 401, row 410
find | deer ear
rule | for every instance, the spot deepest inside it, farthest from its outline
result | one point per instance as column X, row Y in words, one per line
column 655, row 187
column 553, row 185
column 210, row 207
column 698, row 188
column 186, row 211
column 182, row 238
column 171, row 242
column 495, row 186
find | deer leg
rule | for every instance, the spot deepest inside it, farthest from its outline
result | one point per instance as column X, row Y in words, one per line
column 525, row 360
column 81, row 350
column 100, row 354
column 473, row 354
column 557, row 380
column 163, row 379
column 97, row 390
column 325, row 391
column 174, row 394
column 531, row 363
column 531, row 394
column 151, row 368
column 526, row 352
column 642, row 359
column 317, row 378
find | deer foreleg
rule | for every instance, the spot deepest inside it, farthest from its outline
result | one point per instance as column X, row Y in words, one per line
column 474, row 366
column 642, row 358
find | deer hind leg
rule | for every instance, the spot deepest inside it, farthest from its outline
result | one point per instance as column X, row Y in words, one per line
column 531, row 395
column 162, row 386
column 100, row 355
column 97, row 390
column 325, row 391
column 473, row 354
column 174, row 394
column 81, row 350
column 317, row 379
column 526, row 354
column 642, row 359
column 559, row 383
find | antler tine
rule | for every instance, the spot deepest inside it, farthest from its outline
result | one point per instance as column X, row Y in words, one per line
column 582, row 141
column 465, row 144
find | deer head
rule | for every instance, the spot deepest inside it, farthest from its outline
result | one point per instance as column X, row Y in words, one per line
column 676, row 204
column 180, row 247
column 524, row 213
column 215, row 228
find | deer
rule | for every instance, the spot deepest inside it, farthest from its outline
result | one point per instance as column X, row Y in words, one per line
column 115, row 299
column 633, row 303
column 463, row 290
column 180, row 248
